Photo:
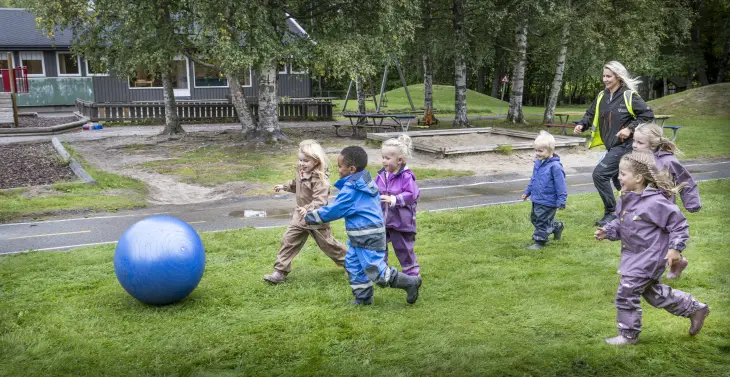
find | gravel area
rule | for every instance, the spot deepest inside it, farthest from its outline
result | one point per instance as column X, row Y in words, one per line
column 31, row 165
column 27, row 121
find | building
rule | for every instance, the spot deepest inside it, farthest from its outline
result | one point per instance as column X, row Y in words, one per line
column 58, row 78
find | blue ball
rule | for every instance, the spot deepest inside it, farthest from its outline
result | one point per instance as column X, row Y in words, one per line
column 159, row 260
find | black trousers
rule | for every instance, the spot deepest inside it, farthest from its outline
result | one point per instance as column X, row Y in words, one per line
column 543, row 218
column 606, row 172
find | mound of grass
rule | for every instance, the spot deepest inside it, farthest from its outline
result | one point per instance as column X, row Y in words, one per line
column 487, row 307
column 710, row 100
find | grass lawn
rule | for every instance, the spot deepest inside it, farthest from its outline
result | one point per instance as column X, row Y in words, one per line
column 487, row 307
column 112, row 192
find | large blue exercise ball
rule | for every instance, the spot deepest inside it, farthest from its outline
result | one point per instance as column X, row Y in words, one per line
column 159, row 260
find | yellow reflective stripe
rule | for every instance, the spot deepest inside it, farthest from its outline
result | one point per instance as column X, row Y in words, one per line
column 629, row 102
column 596, row 134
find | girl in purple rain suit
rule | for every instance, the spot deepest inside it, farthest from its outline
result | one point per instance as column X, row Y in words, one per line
column 653, row 232
column 398, row 196
column 650, row 137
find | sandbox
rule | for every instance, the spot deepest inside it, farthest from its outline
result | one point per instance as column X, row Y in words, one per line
column 474, row 140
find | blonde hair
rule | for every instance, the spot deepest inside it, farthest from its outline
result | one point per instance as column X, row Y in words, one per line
column 403, row 144
column 657, row 141
column 623, row 74
column 313, row 150
column 643, row 163
column 544, row 138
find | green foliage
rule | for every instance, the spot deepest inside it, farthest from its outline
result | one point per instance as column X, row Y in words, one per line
column 487, row 307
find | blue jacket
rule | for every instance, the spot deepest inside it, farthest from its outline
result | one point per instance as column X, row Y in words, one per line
column 359, row 203
column 547, row 186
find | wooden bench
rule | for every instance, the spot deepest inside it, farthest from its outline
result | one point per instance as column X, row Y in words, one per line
column 674, row 129
column 548, row 126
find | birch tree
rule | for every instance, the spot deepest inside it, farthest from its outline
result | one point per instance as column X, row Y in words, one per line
column 460, row 73
column 515, row 114
column 559, row 67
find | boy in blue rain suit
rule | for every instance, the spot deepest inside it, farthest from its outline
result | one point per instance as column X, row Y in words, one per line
column 359, row 203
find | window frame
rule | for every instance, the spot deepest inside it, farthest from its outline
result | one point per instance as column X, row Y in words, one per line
column 43, row 63
column 250, row 79
column 88, row 73
column 228, row 85
column 187, row 71
column 4, row 56
column 58, row 64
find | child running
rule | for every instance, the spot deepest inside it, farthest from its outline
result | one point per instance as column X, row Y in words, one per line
column 653, row 233
column 398, row 196
column 547, row 191
column 650, row 137
column 359, row 203
column 312, row 189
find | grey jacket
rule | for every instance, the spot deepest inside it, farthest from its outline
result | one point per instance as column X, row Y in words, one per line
column 690, row 194
column 648, row 225
column 614, row 116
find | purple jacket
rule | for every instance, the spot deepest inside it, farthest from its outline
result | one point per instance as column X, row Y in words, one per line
column 648, row 225
column 691, row 193
column 402, row 216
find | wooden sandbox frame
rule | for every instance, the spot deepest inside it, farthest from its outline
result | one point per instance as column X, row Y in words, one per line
column 560, row 141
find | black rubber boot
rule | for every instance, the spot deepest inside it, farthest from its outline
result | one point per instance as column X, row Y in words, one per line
column 358, row 301
column 607, row 218
column 558, row 231
column 410, row 284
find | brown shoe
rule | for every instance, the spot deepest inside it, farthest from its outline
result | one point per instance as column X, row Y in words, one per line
column 677, row 268
column 275, row 278
column 697, row 320
column 621, row 340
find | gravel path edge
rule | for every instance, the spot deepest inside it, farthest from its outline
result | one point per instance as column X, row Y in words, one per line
column 72, row 163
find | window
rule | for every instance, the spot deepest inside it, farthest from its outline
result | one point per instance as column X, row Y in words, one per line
column 4, row 59
column 68, row 64
column 296, row 68
column 282, row 67
column 209, row 77
column 145, row 80
column 34, row 62
column 96, row 68
column 246, row 77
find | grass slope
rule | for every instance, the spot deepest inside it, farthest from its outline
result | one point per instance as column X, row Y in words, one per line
column 710, row 100
column 487, row 307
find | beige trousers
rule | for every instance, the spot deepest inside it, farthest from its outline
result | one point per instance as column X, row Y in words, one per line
column 294, row 239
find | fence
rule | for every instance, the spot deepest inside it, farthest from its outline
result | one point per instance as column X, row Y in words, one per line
column 192, row 110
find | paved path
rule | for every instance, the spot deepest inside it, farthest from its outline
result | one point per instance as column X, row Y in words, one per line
column 436, row 195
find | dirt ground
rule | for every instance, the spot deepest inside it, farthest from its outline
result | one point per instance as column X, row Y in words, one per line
column 123, row 155
column 39, row 121
column 31, row 164
column 470, row 140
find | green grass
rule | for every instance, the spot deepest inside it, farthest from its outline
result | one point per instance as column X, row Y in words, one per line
column 487, row 307
column 112, row 192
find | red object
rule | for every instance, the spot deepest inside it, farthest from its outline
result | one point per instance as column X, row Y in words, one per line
column 21, row 79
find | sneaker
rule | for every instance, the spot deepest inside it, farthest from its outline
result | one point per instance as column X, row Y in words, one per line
column 357, row 301
column 677, row 268
column 275, row 278
column 558, row 231
column 697, row 319
column 535, row 246
column 620, row 340
column 607, row 218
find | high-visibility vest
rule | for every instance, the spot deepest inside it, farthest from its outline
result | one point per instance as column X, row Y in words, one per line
column 596, row 134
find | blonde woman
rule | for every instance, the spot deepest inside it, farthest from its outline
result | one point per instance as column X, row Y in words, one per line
column 613, row 115
column 312, row 189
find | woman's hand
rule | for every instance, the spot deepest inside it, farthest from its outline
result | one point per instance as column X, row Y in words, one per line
column 578, row 129
column 385, row 199
column 302, row 211
column 600, row 234
column 624, row 134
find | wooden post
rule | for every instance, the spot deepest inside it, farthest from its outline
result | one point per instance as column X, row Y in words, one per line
column 11, row 77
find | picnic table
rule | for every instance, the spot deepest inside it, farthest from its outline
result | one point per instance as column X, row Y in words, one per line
column 562, row 124
column 402, row 121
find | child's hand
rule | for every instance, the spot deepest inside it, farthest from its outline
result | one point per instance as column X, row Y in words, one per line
column 302, row 211
column 524, row 196
column 672, row 257
column 278, row 188
column 385, row 199
column 600, row 234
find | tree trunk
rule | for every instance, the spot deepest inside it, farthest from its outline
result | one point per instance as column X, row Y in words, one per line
column 427, row 83
column 360, row 90
column 481, row 79
column 699, row 57
column 238, row 99
column 515, row 114
column 267, row 127
column 461, row 44
column 172, row 122
column 722, row 71
column 552, row 100
column 496, row 80
column 666, row 88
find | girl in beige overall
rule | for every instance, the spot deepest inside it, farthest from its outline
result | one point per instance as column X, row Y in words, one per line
column 312, row 189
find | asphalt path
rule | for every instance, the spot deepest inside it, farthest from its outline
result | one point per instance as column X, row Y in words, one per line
column 275, row 210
